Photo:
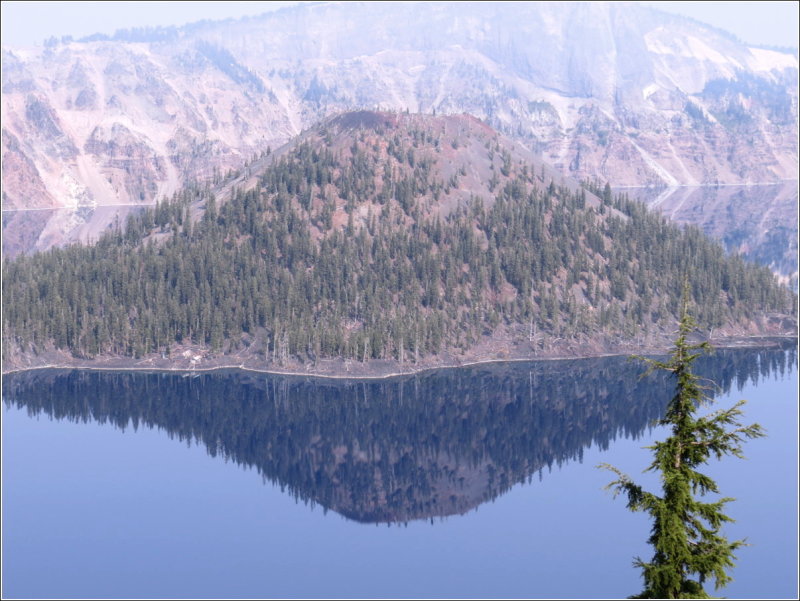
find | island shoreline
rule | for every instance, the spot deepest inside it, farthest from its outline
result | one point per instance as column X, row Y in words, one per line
column 765, row 341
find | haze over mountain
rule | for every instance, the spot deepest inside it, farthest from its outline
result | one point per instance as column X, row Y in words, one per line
column 612, row 91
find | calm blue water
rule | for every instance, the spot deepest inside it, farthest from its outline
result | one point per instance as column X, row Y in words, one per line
column 462, row 483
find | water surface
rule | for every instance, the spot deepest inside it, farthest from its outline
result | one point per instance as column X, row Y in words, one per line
column 477, row 482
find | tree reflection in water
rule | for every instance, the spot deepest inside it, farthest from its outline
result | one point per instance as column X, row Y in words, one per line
column 415, row 447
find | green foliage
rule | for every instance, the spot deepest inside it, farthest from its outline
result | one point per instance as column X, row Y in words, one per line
column 724, row 96
column 695, row 113
column 344, row 254
column 688, row 546
column 223, row 60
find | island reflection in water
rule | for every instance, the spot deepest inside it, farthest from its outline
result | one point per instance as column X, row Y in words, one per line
column 416, row 447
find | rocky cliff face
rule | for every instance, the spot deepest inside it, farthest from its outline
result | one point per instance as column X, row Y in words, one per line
column 618, row 92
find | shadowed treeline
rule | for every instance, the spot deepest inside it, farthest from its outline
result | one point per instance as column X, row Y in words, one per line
column 394, row 450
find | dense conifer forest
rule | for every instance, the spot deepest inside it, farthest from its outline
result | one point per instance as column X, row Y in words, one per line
column 354, row 243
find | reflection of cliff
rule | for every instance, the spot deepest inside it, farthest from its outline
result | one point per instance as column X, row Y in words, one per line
column 388, row 451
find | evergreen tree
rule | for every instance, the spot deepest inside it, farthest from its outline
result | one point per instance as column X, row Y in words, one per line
column 686, row 531
column 321, row 257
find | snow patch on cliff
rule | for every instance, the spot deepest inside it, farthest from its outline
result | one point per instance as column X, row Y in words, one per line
column 649, row 90
column 702, row 51
column 767, row 60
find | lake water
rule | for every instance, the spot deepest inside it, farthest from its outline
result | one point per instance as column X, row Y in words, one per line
column 476, row 482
